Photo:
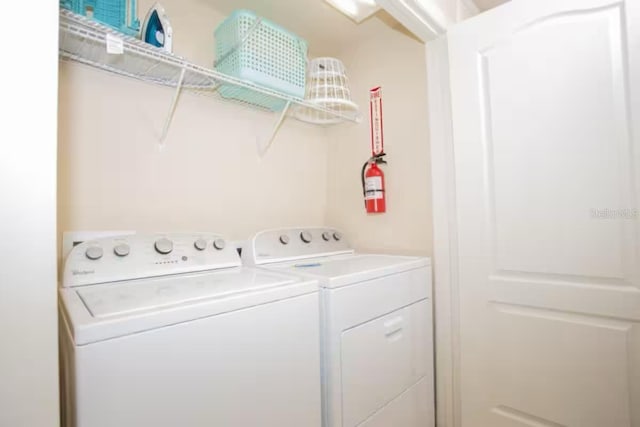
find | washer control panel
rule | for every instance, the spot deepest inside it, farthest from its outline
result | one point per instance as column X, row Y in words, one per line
column 294, row 243
column 138, row 256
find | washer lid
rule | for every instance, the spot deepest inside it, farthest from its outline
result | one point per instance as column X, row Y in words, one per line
column 341, row 270
column 99, row 312
column 139, row 295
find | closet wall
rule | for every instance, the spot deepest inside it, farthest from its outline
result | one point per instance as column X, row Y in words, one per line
column 28, row 292
column 208, row 176
column 390, row 58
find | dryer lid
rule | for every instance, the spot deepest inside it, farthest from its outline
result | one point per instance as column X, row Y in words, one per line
column 341, row 270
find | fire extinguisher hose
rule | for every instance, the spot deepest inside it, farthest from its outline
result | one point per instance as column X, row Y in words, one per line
column 364, row 190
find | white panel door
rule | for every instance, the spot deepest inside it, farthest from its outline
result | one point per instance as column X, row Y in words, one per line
column 546, row 123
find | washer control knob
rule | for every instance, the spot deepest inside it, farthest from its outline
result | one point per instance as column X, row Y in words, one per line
column 164, row 246
column 94, row 252
column 337, row 236
column 305, row 236
column 219, row 244
column 326, row 236
column 284, row 239
column 121, row 250
column 200, row 244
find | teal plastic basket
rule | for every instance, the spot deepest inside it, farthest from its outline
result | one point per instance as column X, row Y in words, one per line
column 120, row 15
column 263, row 53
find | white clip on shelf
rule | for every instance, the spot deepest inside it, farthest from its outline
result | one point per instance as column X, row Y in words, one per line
column 85, row 41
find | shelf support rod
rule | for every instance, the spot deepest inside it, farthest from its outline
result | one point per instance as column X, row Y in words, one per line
column 172, row 108
column 263, row 150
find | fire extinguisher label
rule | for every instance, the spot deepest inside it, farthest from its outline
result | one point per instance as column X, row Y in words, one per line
column 373, row 188
column 375, row 111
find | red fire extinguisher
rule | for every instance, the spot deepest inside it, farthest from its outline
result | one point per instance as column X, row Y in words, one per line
column 371, row 175
column 373, row 185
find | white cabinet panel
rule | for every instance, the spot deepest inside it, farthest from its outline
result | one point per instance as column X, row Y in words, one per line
column 250, row 367
column 413, row 408
column 382, row 358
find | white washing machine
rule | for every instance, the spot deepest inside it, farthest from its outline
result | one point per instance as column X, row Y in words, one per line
column 377, row 329
column 169, row 330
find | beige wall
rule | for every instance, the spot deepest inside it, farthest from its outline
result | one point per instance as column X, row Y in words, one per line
column 209, row 175
column 390, row 59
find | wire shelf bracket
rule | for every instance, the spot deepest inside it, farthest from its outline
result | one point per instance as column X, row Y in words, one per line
column 263, row 147
column 172, row 108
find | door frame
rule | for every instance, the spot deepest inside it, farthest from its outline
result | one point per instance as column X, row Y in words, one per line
column 426, row 20
column 430, row 25
column 445, row 231
column 431, row 28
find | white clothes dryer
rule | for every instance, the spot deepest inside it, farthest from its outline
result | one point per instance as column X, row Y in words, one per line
column 377, row 328
column 169, row 330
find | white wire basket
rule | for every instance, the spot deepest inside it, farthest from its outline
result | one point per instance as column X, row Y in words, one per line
column 328, row 87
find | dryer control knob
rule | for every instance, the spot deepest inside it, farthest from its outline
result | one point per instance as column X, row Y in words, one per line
column 94, row 252
column 337, row 236
column 219, row 244
column 326, row 236
column 284, row 239
column 121, row 250
column 164, row 246
column 200, row 244
column 305, row 236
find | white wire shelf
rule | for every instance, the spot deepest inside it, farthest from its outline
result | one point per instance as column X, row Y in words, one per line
column 85, row 41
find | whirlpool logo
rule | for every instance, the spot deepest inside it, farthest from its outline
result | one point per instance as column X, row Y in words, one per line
column 82, row 272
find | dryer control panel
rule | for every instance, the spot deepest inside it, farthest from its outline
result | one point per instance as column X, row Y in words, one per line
column 113, row 259
column 294, row 243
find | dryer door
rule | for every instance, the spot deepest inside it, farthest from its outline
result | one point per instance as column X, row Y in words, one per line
column 383, row 358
